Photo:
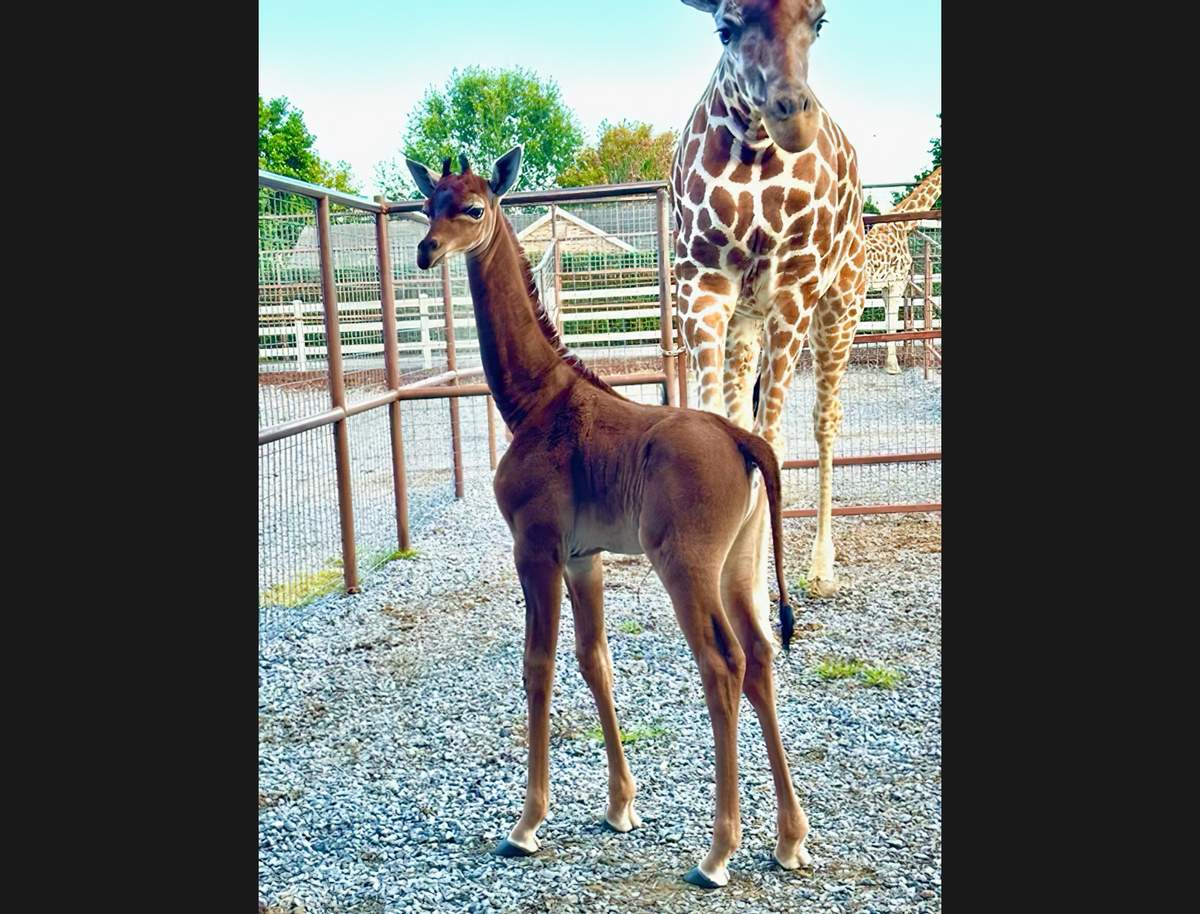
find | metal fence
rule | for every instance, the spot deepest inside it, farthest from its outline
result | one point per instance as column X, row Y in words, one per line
column 371, row 417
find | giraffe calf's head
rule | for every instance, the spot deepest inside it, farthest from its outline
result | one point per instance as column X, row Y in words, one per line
column 766, row 44
column 463, row 209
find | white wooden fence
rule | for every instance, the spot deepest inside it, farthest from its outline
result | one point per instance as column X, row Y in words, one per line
column 425, row 316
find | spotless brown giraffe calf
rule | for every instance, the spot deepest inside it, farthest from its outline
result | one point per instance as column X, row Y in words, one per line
column 590, row 471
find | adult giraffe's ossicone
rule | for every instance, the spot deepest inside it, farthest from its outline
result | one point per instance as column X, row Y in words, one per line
column 590, row 471
column 769, row 246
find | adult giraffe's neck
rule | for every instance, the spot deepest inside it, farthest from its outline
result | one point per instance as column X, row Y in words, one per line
column 924, row 195
column 741, row 117
column 523, row 368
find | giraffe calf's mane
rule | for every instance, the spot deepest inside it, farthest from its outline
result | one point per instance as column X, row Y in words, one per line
column 545, row 323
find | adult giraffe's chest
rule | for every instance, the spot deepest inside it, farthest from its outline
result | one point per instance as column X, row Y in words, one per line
column 763, row 220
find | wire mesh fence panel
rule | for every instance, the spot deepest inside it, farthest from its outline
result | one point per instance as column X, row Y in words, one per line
column 375, row 534
column 299, row 543
column 290, row 327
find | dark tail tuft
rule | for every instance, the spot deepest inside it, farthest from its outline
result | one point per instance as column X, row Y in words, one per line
column 787, row 624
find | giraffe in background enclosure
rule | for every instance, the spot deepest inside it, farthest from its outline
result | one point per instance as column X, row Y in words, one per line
column 889, row 260
column 768, row 214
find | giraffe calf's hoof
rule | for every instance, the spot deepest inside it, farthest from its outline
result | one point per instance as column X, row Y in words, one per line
column 698, row 877
column 823, row 587
column 792, row 860
column 507, row 848
column 624, row 820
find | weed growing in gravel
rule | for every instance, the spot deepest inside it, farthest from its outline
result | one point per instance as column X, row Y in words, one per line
column 881, row 677
column 629, row 736
column 305, row 588
column 630, row 628
column 403, row 554
column 829, row 668
column 878, row 676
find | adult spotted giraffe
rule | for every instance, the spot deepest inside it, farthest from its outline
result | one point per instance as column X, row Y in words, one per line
column 889, row 260
column 768, row 210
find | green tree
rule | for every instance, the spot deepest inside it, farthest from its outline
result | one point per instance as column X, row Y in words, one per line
column 869, row 205
column 482, row 114
column 285, row 147
column 627, row 152
column 935, row 147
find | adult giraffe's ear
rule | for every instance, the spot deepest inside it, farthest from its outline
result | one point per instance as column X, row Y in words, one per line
column 708, row 6
column 426, row 179
column 506, row 171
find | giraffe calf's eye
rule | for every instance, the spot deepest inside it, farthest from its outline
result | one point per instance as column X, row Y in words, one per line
column 725, row 34
column 817, row 26
column 475, row 212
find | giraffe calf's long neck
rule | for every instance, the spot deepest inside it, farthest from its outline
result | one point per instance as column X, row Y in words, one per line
column 522, row 367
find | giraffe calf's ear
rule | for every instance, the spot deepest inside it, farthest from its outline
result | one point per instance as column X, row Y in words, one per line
column 425, row 179
column 506, row 171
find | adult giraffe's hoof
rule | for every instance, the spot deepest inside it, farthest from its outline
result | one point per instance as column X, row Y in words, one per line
column 507, row 848
column 698, row 877
column 892, row 369
column 823, row 588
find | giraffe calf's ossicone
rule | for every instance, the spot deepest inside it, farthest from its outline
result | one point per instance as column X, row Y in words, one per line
column 589, row 471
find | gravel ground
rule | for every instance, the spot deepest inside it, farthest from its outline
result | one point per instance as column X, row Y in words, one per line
column 392, row 758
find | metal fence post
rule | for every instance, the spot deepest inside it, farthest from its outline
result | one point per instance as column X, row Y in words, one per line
column 664, row 298
column 452, row 365
column 337, row 392
column 558, row 311
column 391, row 368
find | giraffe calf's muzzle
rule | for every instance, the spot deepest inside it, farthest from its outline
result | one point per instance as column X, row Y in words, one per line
column 429, row 252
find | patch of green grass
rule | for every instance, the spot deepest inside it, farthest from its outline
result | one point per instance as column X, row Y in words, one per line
column 878, row 676
column 628, row 736
column 881, row 677
column 630, row 628
column 831, row 668
column 304, row 589
column 403, row 554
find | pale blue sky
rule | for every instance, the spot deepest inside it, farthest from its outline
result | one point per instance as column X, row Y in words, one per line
column 356, row 68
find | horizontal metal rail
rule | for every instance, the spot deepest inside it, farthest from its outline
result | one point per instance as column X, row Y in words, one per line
column 866, row 459
column 928, row 507
column 417, row 392
column 872, row 219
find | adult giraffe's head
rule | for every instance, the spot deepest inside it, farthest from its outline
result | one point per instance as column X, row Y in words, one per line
column 766, row 45
column 463, row 209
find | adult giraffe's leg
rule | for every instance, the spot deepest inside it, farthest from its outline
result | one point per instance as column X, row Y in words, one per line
column 738, row 578
column 891, row 365
column 585, row 584
column 743, row 343
column 540, row 568
column 834, row 322
column 705, row 319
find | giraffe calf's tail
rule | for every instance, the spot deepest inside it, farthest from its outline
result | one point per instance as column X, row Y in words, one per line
column 758, row 452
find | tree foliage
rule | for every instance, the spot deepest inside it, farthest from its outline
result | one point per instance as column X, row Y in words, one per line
column 627, row 151
column 935, row 148
column 484, row 113
column 286, row 147
column 869, row 205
